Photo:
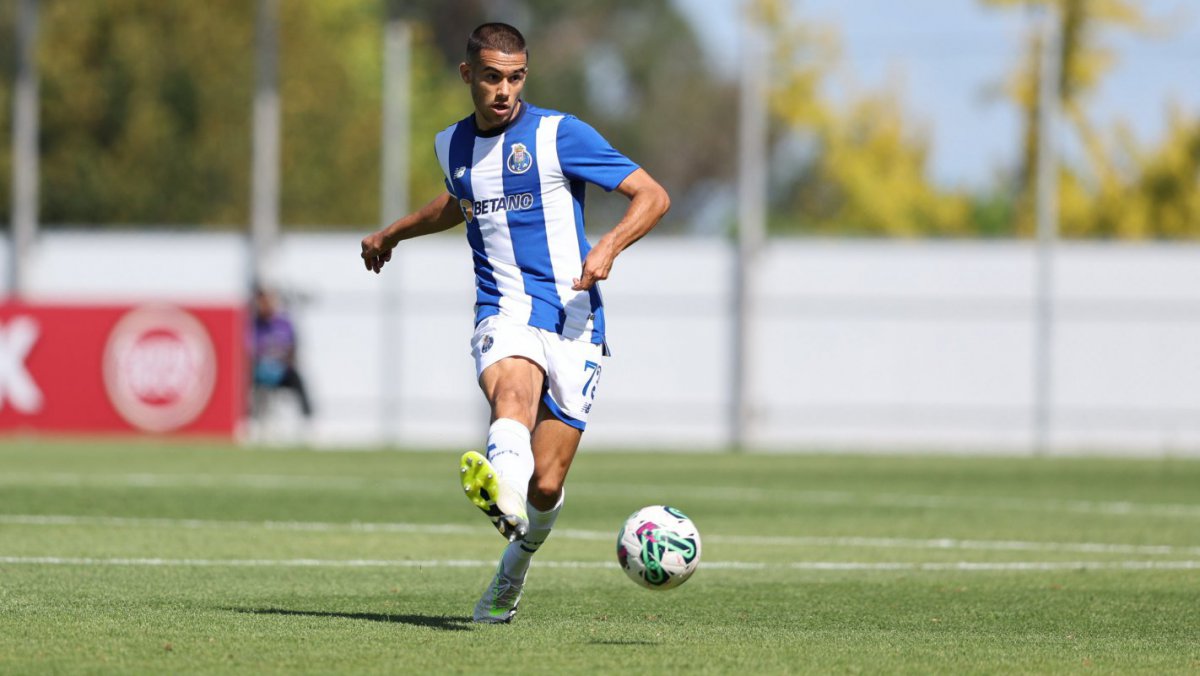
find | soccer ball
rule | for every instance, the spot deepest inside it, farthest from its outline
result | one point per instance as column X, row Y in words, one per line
column 658, row 547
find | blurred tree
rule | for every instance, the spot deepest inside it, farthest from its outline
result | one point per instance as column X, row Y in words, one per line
column 1150, row 192
column 1084, row 62
column 332, row 102
column 1122, row 190
column 330, row 76
column 871, row 177
column 146, row 108
column 146, row 104
column 864, row 169
column 144, row 111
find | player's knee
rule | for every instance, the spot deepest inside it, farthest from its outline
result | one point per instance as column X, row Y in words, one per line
column 544, row 491
column 512, row 402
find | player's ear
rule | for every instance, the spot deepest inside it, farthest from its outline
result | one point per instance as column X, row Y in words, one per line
column 464, row 71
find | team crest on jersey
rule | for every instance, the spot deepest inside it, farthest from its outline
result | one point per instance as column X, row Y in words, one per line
column 458, row 173
column 468, row 209
column 519, row 159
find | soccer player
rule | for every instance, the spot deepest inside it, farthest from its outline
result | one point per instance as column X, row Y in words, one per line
column 516, row 175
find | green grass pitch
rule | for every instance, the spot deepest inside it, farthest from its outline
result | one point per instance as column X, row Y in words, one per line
column 166, row 558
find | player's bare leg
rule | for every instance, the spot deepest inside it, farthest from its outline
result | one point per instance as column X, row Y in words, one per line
column 554, row 447
column 497, row 483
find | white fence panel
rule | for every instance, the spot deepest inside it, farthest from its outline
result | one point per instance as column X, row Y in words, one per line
column 870, row 345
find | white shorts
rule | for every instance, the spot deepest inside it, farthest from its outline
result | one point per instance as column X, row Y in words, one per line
column 572, row 367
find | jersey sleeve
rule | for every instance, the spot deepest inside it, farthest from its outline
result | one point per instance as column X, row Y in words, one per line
column 585, row 155
column 442, row 163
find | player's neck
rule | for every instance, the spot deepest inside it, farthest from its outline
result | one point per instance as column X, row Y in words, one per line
column 518, row 111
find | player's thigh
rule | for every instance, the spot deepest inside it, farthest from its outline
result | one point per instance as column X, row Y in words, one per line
column 510, row 364
column 512, row 387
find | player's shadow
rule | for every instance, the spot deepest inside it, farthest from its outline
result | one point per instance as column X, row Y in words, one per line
column 442, row 622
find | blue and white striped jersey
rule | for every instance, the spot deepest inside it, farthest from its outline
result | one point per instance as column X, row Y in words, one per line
column 521, row 190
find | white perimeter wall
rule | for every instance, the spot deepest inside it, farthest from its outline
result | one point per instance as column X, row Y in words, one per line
column 859, row 345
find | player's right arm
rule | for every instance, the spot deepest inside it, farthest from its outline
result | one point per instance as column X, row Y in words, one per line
column 442, row 213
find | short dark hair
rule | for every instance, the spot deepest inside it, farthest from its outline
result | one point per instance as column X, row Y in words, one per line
column 500, row 37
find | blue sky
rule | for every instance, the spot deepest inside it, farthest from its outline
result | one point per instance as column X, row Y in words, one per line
column 946, row 57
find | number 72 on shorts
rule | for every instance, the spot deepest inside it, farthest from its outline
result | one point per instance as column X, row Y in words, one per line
column 593, row 379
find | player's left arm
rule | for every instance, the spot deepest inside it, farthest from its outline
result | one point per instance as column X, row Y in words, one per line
column 648, row 201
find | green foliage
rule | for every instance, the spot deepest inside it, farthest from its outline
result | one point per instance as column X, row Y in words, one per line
column 330, row 79
column 866, row 173
column 1122, row 190
column 870, row 177
column 332, row 101
column 1151, row 192
column 146, row 118
column 992, row 214
column 146, row 105
column 144, row 111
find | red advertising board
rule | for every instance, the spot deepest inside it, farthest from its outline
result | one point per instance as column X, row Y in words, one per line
column 155, row 368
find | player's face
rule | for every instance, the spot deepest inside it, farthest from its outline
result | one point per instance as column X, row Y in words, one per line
column 496, row 81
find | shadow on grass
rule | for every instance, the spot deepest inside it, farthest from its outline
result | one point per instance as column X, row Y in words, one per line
column 618, row 641
column 442, row 622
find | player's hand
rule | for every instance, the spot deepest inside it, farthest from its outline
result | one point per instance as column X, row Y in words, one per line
column 596, row 267
column 375, row 251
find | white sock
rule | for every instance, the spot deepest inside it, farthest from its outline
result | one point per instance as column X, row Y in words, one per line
column 509, row 452
column 517, row 555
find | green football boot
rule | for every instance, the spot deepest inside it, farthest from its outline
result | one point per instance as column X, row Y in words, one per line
column 484, row 488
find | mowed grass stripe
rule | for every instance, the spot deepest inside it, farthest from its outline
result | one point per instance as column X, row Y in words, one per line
column 312, row 594
column 962, row 566
column 595, row 488
column 580, row 534
column 304, row 526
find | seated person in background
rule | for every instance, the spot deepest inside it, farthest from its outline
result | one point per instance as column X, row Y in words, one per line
column 273, row 350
